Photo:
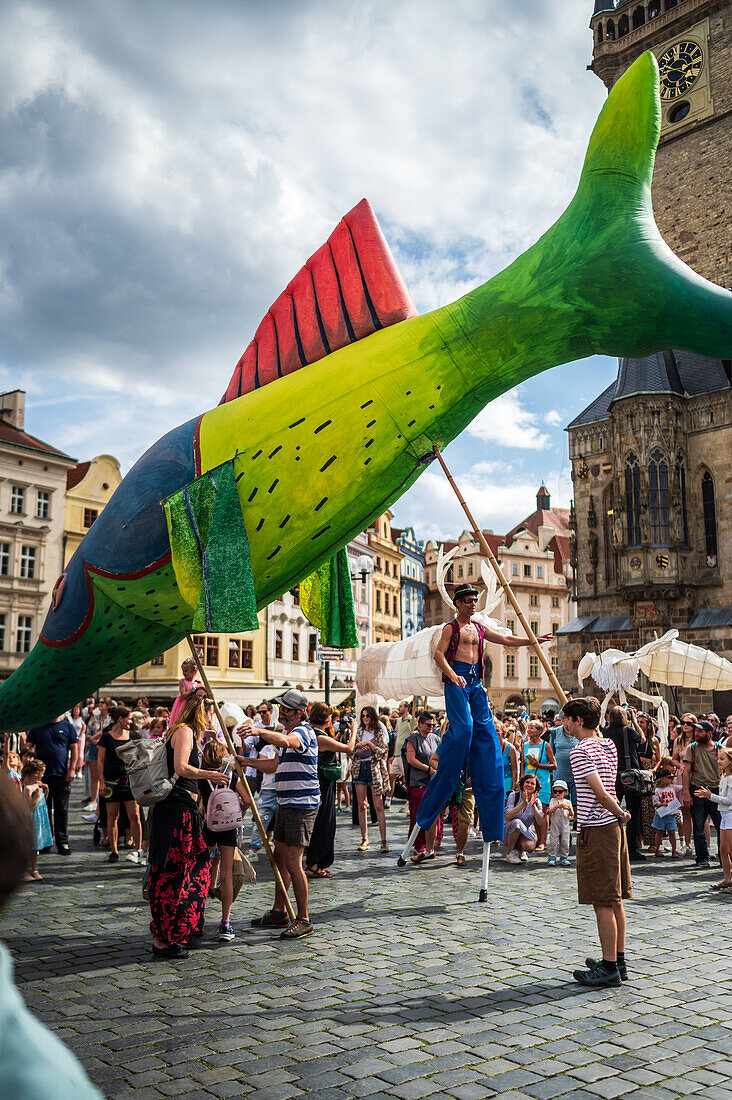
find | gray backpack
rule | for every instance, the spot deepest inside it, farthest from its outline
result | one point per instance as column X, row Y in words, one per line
column 147, row 769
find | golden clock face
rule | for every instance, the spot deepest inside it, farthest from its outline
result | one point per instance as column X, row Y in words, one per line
column 679, row 67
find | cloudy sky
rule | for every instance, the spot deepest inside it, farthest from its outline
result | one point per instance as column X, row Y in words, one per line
column 166, row 168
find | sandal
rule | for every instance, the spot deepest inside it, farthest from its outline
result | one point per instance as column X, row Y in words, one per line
column 324, row 873
column 312, row 873
column 727, row 888
column 718, row 885
column 460, row 861
column 385, row 847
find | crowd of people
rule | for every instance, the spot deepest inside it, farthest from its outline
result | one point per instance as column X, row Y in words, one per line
column 304, row 763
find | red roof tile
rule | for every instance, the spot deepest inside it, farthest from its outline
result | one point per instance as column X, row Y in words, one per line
column 77, row 474
column 12, row 435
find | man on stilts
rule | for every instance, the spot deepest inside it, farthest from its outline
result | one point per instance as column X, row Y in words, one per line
column 472, row 734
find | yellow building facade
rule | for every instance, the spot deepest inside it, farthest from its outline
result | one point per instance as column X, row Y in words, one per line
column 386, row 612
column 89, row 485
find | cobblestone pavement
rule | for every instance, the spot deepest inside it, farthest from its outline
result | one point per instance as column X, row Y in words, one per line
column 409, row 988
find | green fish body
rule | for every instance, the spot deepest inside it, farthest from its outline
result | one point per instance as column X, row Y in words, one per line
column 320, row 452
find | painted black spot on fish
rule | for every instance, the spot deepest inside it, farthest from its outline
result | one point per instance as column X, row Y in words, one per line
column 319, row 506
column 274, row 485
column 370, row 423
column 256, row 455
column 260, row 524
column 276, row 551
column 320, row 532
column 284, row 521
column 369, row 443
column 367, row 462
column 321, row 426
column 252, row 494
column 328, row 463
column 274, row 452
column 367, row 403
column 300, row 421
column 411, row 423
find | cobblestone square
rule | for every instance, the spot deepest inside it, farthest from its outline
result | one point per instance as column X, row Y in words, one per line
column 409, row 988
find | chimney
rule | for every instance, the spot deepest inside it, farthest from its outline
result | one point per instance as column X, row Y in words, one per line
column 545, row 534
column 12, row 408
column 543, row 500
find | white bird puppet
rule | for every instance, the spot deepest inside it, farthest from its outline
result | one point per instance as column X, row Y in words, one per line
column 397, row 670
column 665, row 660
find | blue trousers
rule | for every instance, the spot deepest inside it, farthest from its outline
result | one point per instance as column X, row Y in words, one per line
column 472, row 736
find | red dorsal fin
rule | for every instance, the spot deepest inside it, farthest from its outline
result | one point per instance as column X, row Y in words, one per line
column 348, row 289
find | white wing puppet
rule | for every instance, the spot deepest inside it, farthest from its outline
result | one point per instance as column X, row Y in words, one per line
column 665, row 660
column 399, row 670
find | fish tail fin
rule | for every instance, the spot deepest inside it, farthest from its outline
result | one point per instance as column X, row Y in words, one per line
column 612, row 265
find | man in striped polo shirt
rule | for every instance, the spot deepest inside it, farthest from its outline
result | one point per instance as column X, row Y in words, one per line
column 603, row 867
column 298, row 799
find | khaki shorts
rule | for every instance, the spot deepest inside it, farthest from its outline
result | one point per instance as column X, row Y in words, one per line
column 396, row 766
column 466, row 809
column 294, row 826
column 603, row 867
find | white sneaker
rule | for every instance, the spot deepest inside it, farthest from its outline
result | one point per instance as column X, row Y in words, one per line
column 133, row 856
column 523, row 857
column 512, row 857
column 89, row 817
column 473, row 833
column 89, row 807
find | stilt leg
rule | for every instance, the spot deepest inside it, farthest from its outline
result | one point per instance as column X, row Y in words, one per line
column 402, row 861
column 483, row 895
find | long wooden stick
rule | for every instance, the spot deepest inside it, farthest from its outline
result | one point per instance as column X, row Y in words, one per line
column 242, row 776
column 502, row 580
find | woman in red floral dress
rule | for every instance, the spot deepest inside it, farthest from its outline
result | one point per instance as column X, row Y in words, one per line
column 180, row 870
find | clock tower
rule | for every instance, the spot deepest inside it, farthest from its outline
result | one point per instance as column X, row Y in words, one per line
column 692, row 181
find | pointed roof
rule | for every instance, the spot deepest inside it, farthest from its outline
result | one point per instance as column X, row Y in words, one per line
column 77, row 474
column 603, row 5
column 674, row 372
column 557, row 518
column 14, row 437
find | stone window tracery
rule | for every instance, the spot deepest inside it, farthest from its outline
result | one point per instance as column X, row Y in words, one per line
column 658, row 498
column 632, row 499
column 710, row 518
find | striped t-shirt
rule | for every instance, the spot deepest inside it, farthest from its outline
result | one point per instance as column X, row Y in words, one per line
column 593, row 755
column 296, row 778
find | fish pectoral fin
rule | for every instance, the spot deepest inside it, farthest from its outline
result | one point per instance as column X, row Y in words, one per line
column 326, row 599
column 210, row 552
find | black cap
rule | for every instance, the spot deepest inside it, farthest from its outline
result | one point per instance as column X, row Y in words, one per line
column 704, row 725
column 464, row 590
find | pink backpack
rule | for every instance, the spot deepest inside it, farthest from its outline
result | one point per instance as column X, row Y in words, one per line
column 223, row 811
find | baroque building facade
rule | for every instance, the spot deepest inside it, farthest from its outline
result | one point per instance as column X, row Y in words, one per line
column 652, row 455
column 411, row 580
column 387, row 619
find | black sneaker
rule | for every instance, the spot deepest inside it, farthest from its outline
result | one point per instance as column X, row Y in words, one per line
column 636, row 857
column 64, row 850
column 597, row 977
column 703, row 864
column 622, row 968
column 113, row 857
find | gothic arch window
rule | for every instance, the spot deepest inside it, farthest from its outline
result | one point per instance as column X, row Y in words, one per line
column 669, row 4
column 611, row 29
column 623, row 26
column 611, row 556
column 639, row 16
column 632, row 499
column 658, row 498
column 654, row 10
column 599, row 32
column 710, row 517
column 681, row 482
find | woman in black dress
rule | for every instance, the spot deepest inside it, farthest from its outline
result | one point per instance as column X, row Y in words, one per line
column 116, row 784
column 321, row 849
column 180, row 869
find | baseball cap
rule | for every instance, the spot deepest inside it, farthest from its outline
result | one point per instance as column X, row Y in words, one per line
column 292, row 699
column 464, row 590
column 704, row 725
column 664, row 773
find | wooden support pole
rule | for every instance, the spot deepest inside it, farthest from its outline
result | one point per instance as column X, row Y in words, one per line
column 502, row 580
column 242, row 776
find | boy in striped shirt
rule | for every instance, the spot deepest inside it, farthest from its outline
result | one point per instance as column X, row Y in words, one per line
column 603, row 867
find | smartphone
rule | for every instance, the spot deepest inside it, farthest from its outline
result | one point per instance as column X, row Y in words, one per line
column 227, row 765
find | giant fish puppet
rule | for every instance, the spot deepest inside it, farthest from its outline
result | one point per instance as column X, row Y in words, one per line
column 333, row 411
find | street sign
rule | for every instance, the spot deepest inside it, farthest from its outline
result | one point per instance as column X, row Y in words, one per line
column 329, row 654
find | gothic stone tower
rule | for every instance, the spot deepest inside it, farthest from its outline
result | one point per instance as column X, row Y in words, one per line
column 652, row 455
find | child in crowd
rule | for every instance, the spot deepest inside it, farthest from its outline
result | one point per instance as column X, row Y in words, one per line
column 14, row 768
column 559, row 815
column 666, row 805
column 31, row 777
column 224, row 843
column 724, row 802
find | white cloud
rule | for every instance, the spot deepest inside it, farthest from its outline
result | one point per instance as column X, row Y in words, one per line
column 506, row 422
column 553, row 418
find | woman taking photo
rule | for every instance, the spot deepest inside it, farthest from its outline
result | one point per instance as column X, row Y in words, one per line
column 372, row 746
column 649, row 752
column 117, row 786
column 320, row 852
column 180, row 871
